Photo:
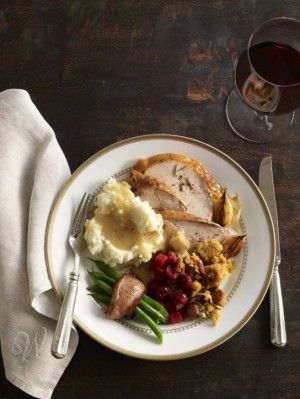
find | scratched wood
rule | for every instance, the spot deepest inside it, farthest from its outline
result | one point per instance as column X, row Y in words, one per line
column 100, row 71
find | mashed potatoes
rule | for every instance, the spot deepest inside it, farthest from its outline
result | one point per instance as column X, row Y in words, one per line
column 124, row 227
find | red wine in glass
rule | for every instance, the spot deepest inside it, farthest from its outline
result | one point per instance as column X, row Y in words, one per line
column 267, row 78
column 276, row 63
column 266, row 83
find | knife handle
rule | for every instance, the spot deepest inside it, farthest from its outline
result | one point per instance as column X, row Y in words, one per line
column 277, row 321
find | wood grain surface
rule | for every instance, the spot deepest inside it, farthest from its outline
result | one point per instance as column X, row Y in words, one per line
column 100, row 71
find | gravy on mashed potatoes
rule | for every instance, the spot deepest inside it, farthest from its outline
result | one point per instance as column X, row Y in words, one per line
column 123, row 227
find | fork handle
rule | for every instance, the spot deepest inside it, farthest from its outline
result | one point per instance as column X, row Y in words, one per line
column 62, row 333
column 277, row 321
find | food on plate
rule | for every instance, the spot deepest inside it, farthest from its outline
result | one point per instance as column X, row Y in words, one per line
column 158, row 194
column 175, row 223
column 195, row 228
column 233, row 245
column 179, row 242
column 227, row 210
column 148, row 309
column 209, row 249
column 123, row 228
column 127, row 293
column 186, row 178
column 189, row 285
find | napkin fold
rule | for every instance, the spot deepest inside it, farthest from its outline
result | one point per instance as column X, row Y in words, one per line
column 33, row 169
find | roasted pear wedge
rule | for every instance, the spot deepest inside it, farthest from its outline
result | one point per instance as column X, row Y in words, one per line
column 227, row 210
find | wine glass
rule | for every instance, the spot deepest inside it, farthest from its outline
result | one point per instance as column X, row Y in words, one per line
column 267, row 82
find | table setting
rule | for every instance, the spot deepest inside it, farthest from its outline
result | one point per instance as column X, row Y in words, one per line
column 149, row 192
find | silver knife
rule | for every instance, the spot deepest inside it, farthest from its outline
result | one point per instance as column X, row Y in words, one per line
column 277, row 321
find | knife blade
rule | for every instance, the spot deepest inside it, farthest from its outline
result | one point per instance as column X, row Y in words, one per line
column 266, row 185
column 277, row 320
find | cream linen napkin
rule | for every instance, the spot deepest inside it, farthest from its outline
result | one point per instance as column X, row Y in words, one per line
column 33, row 168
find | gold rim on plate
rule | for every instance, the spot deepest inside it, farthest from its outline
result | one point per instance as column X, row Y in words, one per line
column 243, row 321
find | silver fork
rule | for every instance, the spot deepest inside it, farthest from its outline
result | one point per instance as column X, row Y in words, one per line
column 61, row 336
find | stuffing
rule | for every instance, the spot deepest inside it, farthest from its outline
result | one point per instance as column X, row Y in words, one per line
column 216, row 273
column 215, row 315
column 208, row 249
column 179, row 242
column 196, row 287
column 180, row 265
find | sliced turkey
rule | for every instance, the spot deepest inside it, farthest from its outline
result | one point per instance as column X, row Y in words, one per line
column 197, row 229
column 158, row 194
column 187, row 179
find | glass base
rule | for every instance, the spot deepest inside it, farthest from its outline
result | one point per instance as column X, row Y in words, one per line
column 252, row 125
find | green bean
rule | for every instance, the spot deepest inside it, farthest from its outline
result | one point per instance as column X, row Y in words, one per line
column 138, row 312
column 110, row 276
column 113, row 274
column 154, row 313
column 102, row 291
column 150, row 322
column 95, row 288
column 105, row 287
column 156, row 305
column 95, row 274
column 145, row 306
column 101, row 297
column 107, row 270
column 100, row 276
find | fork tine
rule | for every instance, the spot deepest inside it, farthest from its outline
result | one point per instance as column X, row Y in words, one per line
column 83, row 215
column 77, row 215
column 91, row 206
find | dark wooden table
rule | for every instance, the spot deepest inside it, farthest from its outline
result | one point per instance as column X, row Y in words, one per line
column 100, row 71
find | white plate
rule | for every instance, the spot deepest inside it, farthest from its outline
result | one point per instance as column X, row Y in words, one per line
column 245, row 287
